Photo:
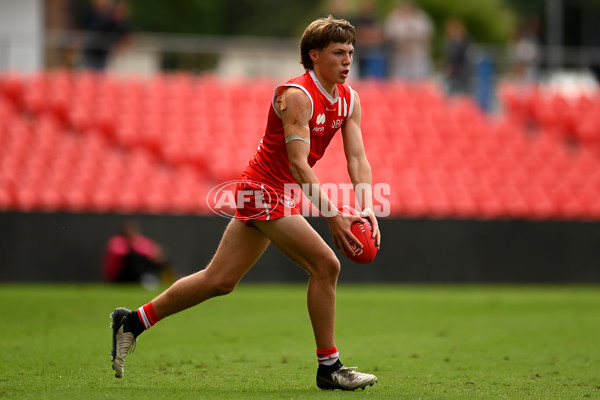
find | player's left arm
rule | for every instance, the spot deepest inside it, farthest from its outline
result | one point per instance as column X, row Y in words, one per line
column 359, row 168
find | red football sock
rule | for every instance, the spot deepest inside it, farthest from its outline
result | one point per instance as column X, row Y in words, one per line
column 328, row 356
column 147, row 315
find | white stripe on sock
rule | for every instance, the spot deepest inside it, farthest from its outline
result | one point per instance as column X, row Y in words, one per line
column 333, row 357
column 144, row 317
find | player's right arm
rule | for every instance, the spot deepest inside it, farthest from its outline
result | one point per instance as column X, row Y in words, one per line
column 295, row 109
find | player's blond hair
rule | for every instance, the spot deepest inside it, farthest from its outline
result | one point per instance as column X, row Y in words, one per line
column 320, row 33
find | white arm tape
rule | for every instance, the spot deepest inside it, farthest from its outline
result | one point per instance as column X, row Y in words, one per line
column 291, row 138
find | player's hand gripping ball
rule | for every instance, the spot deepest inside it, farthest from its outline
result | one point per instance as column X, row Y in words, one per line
column 363, row 231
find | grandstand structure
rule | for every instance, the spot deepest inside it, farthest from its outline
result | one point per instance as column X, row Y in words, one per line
column 84, row 142
column 512, row 196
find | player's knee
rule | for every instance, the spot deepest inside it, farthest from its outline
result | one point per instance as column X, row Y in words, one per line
column 334, row 267
column 328, row 268
column 221, row 287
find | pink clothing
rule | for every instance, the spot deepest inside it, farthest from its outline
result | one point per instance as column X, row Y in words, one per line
column 118, row 247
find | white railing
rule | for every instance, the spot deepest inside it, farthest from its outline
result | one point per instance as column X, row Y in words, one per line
column 149, row 53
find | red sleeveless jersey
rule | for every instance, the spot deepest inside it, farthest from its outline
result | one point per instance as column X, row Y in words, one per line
column 270, row 163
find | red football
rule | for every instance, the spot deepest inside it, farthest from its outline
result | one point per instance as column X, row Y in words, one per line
column 362, row 231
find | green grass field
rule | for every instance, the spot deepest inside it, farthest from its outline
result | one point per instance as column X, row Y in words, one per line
column 429, row 342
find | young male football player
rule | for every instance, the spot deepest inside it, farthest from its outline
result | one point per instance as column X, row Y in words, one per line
column 305, row 114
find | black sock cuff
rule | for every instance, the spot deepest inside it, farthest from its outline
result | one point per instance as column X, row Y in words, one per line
column 135, row 324
column 331, row 368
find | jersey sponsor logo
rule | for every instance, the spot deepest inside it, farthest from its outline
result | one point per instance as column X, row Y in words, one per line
column 320, row 119
column 337, row 123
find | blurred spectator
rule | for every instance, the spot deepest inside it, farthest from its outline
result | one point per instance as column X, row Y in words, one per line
column 339, row 8
column 457, row 68
column 525, row 51
column 96, row 23
column 131, row 257
column 408, row 32
column 370, row 55
column 108, row 29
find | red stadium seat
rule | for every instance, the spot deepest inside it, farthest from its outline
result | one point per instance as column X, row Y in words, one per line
column 86, row 142
column 7, row 199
